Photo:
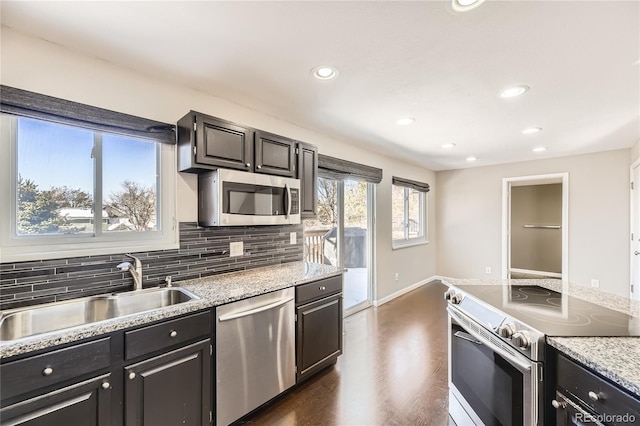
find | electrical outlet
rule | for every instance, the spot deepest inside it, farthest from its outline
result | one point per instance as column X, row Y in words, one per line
column 292, row 237
column 236, row 249
column 595, row 283
column 397, row 276
column 487, row 270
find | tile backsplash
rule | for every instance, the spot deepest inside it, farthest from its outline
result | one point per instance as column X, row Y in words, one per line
column 202, row 252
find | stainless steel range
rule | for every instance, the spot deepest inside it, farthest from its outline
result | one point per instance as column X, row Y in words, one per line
column 497, row 347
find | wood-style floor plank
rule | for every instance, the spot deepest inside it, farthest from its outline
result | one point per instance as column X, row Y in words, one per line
column 393, row 370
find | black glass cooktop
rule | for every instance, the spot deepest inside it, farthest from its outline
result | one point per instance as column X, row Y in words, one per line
column 553, row 313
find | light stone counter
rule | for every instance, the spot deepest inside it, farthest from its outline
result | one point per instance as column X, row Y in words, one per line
column 213, row 291
column 617, row 358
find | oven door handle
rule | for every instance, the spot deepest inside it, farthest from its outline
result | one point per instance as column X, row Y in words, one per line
column 466, row 336
column 521, row 365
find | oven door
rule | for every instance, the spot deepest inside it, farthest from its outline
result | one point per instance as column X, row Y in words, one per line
column 492, row 382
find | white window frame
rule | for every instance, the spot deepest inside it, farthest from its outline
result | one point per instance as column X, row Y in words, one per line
column 406, row 241
column 15, row 248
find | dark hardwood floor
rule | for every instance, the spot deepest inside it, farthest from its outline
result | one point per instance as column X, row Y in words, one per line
column 393, row 370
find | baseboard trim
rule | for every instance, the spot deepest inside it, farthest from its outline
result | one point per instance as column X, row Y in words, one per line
column 404, row 290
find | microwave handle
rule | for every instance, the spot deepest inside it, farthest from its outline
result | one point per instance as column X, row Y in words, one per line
column 287, row 200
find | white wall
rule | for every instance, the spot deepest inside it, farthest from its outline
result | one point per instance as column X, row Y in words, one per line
column 469, row 217
column 36, row 65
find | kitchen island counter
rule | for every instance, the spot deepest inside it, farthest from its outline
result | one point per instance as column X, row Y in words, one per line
column 616, row 358
column 213, row 291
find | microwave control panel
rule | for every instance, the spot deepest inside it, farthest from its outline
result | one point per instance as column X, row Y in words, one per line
column 295, row 201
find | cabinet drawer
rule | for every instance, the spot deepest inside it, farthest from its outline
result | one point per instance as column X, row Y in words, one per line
column 26, row 375
column 579, row 381
column 166, row 334
column 318, row 289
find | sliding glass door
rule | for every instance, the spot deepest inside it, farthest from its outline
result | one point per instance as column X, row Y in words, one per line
column 341, row 236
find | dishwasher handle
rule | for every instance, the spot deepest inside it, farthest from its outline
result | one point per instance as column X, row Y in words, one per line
column 237, row 315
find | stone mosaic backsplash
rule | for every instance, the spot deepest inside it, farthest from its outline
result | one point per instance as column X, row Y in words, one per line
column 203, row 252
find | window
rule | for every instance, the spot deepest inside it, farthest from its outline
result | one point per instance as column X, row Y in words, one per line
column 408, row 212
column 70, row 191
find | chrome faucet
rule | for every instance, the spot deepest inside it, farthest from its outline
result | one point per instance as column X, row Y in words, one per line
column 135, row 270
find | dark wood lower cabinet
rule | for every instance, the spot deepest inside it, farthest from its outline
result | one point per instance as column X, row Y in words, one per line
column 170, row 389
column 318, row 325
column 86, row 403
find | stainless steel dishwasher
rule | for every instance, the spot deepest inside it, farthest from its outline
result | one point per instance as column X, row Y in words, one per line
column 255, row 352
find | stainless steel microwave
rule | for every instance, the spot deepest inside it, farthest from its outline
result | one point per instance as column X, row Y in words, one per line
column 233, row 198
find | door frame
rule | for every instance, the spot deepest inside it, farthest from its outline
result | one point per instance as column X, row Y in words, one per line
column 634, row 195
column 507, row 183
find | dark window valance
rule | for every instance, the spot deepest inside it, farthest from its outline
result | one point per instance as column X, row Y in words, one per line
column 343, row 169
column 34, row 105
column 413, row 184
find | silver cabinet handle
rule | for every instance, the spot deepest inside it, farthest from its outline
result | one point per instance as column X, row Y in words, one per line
column 593, row 396
column 132, row 375
column 557, row 404
column 248, row 164
column 322, row 288
column 173, row 333
column 106, row 385
column 47, row 371
column 258, row 166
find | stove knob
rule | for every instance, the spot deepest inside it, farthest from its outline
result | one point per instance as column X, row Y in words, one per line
column 448, row 294
column 522, row 339
column 507, row 330
column 456, row 298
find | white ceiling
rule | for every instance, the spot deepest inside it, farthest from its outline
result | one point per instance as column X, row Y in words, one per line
column 396, row 59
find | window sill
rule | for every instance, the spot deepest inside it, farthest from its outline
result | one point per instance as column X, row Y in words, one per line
column 396, row 245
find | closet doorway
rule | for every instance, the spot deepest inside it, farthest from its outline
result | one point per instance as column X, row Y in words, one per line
column 535, row 226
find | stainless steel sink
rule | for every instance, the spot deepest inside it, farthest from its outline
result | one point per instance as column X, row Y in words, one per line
column 23, row 322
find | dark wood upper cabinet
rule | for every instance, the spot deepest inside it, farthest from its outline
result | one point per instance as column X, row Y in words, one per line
column 308, row 175
column 274, row 155
column 207, row 143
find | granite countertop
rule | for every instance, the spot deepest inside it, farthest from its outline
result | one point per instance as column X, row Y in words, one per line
column 213, row 291
column 616, row 358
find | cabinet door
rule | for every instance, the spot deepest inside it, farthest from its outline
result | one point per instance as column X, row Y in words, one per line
column 84, row 404
column 275, row 155
column 308, row 175
column 170, row 389
column 319, row 334
column 223, row 144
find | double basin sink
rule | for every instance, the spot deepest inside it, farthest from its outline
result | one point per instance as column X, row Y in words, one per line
column 24, row 322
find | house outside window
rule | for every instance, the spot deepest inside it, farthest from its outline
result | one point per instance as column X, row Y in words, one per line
column 408, row 212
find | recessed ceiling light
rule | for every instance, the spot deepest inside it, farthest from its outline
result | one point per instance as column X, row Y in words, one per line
column 324, row 72
column 471, row 159
column 448, row 145
column 539, row 149
column 405, row 121
column 465, row 5
column 531, row 130
column 511, row 92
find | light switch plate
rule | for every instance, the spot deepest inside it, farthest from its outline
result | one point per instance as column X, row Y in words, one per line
column 292, row 237
column 236, row 249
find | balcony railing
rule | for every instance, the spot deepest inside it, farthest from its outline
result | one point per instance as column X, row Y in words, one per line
column 314, row 245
